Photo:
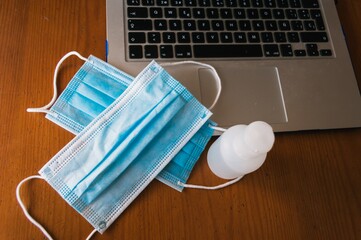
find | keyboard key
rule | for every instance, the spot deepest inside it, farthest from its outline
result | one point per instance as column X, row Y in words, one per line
column 218, row 3
column 162, row 2
column 204, row 3
column 148, row 2
column 310, row 3
column 212, row 37
column 258, row 25
column 253, row 37
column 204, row 25
column 166, row 51
column 326, row 52
column 293, row 37
column 303, row 14
column 156, row 12
column 176, row 2
column 291, row 14
column 240, row 37
column 185, row 13
column 257, row 3
column 309, row 25
column 133, row 2
column 271, row 25
column 135, row 52
column 312, row 50
column 313, row 37
column 280, row 37
column 151, row 51
column 226, row 13
column 300, row 53
column 252, row 13
column 170, row 12
column 286, row 50
column 296, row 25
column 271, row 50
column 295, row 3
column 265, row 13
column 137, row 12
column 183, row 37
column 231, row 3
column 239, row 13
column 270, row 3
column 267, row 37
column 198, row 37
column 199, row 13
column 245, row 25
column 244, row 3
column 160, row 24
column 168, row 37
column 189, row 25
column 231, row 25
column 183, row 51
column 229, row 50
column 212, row 13
column 278, row 14
column 175, row 25
column 226, row 37
column 136, row 37
column 190, row 3
column 217, row 25
column 284, row 25
column 316, row 15
column 153, row 37
column 139, row 24
column 282, row 3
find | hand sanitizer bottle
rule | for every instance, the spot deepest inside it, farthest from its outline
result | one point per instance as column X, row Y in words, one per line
column 241, row 149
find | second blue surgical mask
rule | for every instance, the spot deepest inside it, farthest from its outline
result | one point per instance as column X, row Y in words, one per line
column 93, row 88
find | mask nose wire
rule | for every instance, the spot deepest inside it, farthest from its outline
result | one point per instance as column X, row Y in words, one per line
column 217, row 78
column 45, row 108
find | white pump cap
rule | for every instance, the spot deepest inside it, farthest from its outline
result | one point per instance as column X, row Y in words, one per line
column 240, row 150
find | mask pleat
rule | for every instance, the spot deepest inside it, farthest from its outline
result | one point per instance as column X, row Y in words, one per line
column 104, row 83
column 85, row 105
column 95, row 95
column 162, row 142
column 123, row 153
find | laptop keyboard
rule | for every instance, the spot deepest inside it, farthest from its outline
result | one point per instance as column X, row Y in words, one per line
column 221, row 29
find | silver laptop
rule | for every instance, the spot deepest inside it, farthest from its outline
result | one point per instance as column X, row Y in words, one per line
column 281, row 61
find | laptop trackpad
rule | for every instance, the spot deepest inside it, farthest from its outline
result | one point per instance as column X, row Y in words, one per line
column 248, row 94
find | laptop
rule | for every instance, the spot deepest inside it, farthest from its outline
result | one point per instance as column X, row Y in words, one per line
column 280, row 61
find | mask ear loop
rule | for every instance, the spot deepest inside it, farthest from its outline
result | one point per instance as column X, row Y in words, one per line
column 217, row 78
column 29, row 217
column 45, row 108
column 211, row 187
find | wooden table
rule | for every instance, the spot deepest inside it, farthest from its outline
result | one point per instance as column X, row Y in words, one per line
column 308, row 188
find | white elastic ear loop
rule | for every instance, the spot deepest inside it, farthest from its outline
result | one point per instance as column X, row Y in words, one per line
column 44, row 109
column 217, row 78
column 211, row 187
column 29, row 217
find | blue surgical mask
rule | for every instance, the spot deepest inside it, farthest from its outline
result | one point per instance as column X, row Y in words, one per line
column 92, row 89
column 108, row 164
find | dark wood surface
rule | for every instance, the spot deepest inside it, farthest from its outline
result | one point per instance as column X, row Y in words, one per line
column 308, row 188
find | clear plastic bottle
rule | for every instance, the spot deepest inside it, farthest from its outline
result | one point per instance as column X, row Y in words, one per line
column 241, row 149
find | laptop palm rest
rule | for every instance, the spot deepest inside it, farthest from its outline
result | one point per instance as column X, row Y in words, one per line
column 249, row 94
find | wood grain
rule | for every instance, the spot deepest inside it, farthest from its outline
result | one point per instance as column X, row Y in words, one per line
column 309, row 187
